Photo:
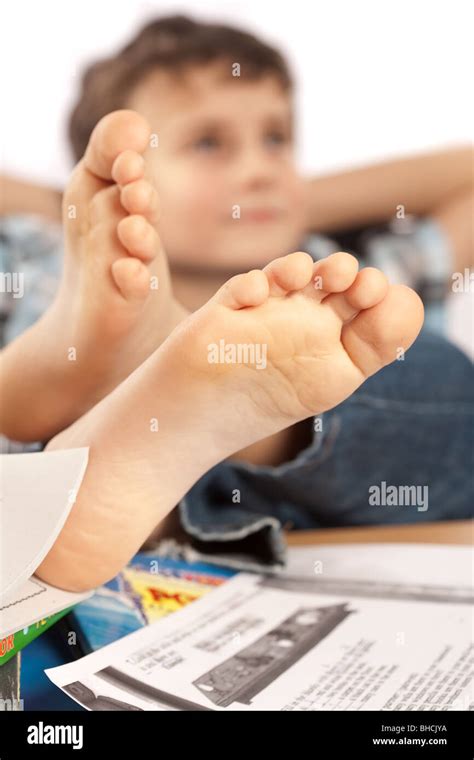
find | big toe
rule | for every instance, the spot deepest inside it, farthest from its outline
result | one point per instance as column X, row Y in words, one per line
column 115, row 133
column 381, row 334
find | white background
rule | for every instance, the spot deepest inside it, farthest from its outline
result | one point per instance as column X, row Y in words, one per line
column 376, row 78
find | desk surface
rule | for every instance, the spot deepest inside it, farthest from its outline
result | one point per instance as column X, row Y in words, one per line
column 449, row 532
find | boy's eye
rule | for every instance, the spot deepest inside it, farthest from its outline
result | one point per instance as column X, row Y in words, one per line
column 276, row 138
column 207, row 143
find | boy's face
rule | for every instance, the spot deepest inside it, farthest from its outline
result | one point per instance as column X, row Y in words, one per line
column 225, row 148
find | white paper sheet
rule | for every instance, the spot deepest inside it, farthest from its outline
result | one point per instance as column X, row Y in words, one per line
column 363, row 633
column 37, row 493
column 33, row 601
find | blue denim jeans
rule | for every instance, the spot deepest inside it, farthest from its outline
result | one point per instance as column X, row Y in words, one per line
column 399, row 450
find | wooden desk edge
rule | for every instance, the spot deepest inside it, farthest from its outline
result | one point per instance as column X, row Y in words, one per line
column 449, row 532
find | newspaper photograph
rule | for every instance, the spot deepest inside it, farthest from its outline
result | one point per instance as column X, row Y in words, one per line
column 299, row 642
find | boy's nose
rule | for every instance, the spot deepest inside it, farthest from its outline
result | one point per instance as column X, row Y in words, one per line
column 255, row 168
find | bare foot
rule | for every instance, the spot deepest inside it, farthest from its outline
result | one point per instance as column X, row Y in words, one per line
column 114, row 305
column 182, row 412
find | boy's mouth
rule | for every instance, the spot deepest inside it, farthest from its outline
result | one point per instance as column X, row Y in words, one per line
column 261, row 214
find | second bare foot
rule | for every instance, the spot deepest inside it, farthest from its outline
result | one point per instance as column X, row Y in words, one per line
column 114, row 306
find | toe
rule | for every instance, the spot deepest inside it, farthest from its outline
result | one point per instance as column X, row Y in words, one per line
column 115, row 133
column 139, row 237
column 250, row 289
column 381, row 334
column 129, row 166
column 140, row 197
column 368, row 289
column 132, row 278
column 122, row 133
column 104, row 208
column 335, row 273
column 289, row 273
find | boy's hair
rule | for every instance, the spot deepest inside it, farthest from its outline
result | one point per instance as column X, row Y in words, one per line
column 174, row 44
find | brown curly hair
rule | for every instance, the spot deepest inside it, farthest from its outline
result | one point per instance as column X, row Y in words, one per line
column 173, row 43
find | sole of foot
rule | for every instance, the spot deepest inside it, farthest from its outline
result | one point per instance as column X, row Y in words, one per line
column 318, row 331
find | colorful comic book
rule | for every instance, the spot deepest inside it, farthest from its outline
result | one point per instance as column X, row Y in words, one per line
column 149, row 588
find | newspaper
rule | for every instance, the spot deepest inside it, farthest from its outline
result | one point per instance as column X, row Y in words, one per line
column 344, row 628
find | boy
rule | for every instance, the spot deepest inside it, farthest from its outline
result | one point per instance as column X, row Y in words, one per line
column 224, row 146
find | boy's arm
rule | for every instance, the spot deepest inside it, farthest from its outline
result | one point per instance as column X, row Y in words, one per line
column 370, row 195
column 19, row 197
column 437, row 184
